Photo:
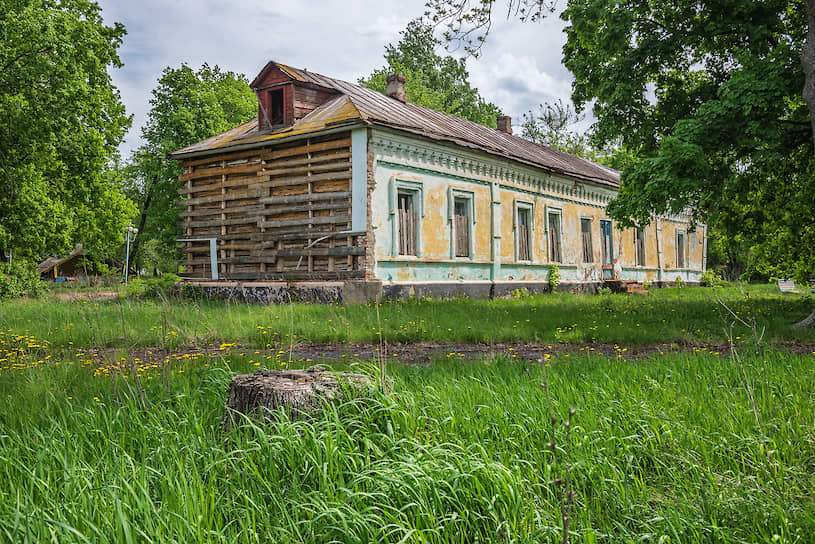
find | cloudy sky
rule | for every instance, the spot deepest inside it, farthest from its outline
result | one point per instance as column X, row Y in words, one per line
column 520, row 66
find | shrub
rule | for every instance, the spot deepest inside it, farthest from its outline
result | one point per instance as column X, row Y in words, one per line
column 161, row 287
column 554, row 277
column 711, row 279
column 522, row 292
column 20, row 280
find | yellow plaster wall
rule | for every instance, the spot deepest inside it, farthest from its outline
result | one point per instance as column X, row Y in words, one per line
column 436, row 232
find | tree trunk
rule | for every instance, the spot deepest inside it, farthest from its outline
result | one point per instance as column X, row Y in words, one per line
column 806, row 322
column 808, row 63
column 300, row 393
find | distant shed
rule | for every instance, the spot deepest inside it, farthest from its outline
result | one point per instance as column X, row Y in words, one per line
column 75, row 265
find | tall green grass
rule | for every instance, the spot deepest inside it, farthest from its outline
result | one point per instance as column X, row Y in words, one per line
column 686, row 315
column 662, row 450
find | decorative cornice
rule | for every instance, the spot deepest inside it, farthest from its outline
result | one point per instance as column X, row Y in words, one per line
column 482, row 168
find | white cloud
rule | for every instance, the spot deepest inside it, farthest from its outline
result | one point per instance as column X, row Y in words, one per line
column 516, row 83
column 520, row 66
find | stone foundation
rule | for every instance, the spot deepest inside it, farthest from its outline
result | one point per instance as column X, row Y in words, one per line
column 364, row 291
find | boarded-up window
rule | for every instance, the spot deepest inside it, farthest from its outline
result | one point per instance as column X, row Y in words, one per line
column 585, row 236
column 554, row 237
column 639, row 246
column 680, row 249
column 524, row 231
column 461, row 227
column 407, row 224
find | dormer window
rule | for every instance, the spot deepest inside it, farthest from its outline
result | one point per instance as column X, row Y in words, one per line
column 286, row 96
column 276, row 107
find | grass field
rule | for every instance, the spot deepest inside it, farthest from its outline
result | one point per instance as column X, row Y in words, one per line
column 687, row 315
column 660, row 449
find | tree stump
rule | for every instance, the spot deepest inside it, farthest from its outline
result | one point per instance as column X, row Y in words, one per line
column 301, row 393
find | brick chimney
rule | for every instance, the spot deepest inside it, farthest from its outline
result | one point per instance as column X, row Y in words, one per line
column 505, row 124
column 396, row 87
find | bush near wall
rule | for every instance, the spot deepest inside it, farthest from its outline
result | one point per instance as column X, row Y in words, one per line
column 161, row 287
column 20, row 280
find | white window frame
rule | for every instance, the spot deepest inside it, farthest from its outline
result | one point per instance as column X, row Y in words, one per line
column 469, row 197
column 530, row 207
column 416, row 190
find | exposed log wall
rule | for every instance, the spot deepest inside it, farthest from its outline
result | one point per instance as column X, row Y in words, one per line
column 268, row 208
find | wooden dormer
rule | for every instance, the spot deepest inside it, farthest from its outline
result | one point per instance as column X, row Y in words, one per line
column 286, row 96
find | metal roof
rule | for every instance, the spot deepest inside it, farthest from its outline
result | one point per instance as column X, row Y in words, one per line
column 357, row 104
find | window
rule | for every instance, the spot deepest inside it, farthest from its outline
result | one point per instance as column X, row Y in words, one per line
column 461, row 227
column 555, row 254
column 639, row 246
column 585, row 236
column 406, row 211
column 276, row 107
column 680, row 249
column 461, row 214
column 523, row 231
column 407, row 224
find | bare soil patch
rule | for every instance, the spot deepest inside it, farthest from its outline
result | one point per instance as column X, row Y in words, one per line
column 425, row 352
column 70, row 296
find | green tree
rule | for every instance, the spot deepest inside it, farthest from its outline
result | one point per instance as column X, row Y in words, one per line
column 553, row 125
column 187, row 106
column 711, row 98
column 61, row 120
column 714, row 102
column 436, row 82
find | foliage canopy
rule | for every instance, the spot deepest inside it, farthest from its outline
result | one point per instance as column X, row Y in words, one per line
column 436, row 82
column 708, row 101
column 61, row 119
column 187, row 106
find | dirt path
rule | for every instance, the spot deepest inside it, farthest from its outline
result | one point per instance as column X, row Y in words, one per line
column 425, row 352
column 71, row 296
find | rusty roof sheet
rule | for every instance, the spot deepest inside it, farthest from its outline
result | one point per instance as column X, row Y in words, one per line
column 358, row 104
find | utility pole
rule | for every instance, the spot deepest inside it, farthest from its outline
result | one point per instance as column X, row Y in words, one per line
column 130, row 230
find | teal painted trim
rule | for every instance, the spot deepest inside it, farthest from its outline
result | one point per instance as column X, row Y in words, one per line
column 495, row 232
column 415, row 270
column 469, row 198
column 483, row 182
column 405, row 270
column 416, row 189
column 359, row 179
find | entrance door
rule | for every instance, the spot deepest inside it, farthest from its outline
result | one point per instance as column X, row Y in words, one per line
column 608, row 250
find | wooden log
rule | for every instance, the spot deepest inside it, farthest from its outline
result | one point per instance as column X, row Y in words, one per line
column 299, row 394
column 216, row 159
column 305, row 197
column 308, row 148
column 293, row 275
column 301, row 235
column 216, row 185
column 269, row 212
column 218, row 171
column 340, row 157
column 270, row 256
column 307, row 221
column 218, row 211
column 298, row 180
